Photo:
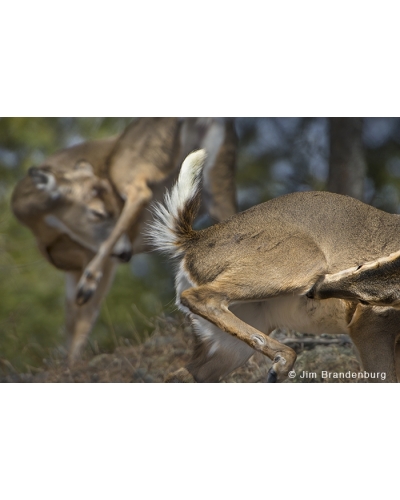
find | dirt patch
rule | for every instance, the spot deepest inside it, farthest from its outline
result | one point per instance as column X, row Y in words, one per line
column 169, row 348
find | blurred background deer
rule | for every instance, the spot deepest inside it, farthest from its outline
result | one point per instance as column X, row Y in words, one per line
column 87, row 205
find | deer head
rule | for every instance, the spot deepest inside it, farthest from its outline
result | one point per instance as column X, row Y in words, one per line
column 73, row 204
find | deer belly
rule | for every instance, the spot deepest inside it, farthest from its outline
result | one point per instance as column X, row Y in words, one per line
column 306, row 315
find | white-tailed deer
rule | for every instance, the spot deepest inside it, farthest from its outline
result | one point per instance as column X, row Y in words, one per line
column 242, row 278
column 86, row 205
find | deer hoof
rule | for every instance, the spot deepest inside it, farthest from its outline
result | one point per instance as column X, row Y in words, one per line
column 272, row 376
column 86, row 287
column 83, row 296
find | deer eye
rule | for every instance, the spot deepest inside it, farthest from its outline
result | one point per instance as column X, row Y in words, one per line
column 97, row 214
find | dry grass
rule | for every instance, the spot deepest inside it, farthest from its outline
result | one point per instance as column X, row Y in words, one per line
column 169, row 348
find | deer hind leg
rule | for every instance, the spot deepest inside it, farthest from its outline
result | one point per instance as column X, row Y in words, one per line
column 374, row 331
column 216, row 354
column 207, row 302
column 139, row 196
column 80, row 319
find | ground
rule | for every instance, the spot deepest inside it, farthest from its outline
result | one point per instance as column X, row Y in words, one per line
column 169, row 348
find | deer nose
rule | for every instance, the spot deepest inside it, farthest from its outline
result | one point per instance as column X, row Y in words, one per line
column 37, row 175
column 123, row 249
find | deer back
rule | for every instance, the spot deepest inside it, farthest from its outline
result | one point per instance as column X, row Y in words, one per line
column 289, row 241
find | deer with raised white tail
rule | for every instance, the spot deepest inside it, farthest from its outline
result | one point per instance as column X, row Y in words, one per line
column 254, row 272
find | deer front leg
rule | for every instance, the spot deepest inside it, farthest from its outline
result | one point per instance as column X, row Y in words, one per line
column 374, row 331
column 138, row 196
column 213, row 306
column 79, row 320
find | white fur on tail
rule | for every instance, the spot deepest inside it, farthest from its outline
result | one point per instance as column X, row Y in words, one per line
column 164, row 233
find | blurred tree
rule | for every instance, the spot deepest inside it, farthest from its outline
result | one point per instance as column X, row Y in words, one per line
column 347, row 167
column 381, row 138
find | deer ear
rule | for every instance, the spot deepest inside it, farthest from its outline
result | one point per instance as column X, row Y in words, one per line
column 84, row 167
column 44, row 181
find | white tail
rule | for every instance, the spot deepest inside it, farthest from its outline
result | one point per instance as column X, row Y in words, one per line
column 174, row 218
